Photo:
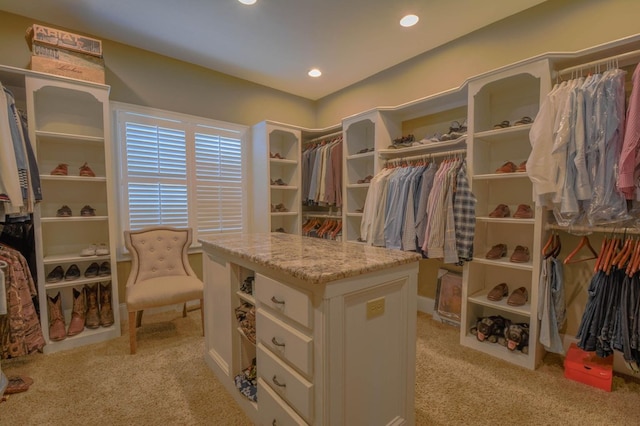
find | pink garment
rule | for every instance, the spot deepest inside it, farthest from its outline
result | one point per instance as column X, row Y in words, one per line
column 629, row 158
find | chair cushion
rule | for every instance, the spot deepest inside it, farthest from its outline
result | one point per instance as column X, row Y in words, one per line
column 162, row 291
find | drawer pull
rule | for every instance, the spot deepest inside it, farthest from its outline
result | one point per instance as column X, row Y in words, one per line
column 277, row 383
column 275, row 342
column 276, row 301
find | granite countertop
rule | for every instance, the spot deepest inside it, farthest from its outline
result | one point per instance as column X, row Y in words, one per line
column 313, row 260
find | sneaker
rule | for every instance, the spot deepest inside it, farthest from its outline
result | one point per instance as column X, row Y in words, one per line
column 73, row 273
column 56, row 275
column 102, row 249
column 88, row 211
column 64, row 211
column 105, row 269
column 92, row 270
column 85, row 170
column 89, row 251
column 60, row 170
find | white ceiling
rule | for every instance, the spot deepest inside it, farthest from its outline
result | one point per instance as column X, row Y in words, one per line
column 275, row 42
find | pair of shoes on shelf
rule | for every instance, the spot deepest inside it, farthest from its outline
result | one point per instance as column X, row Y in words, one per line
column 280, row 208
column 519, row 297
column 95, row 250
column 58, row 274
column 504, row 124
column 456, row 130
column 63, row 170
column 276, row 155
column 519, row 255
column 510, row 167
column 99, row 312
column 366, row 179
column 278, row 182
column 524, row 211
column 65, row 211
column 95, row 270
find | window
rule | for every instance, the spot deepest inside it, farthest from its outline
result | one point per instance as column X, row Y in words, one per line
column 179, row 170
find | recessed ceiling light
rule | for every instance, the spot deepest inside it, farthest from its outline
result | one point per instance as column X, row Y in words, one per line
column 315, row 72
column 247, row 1
column 409, row 20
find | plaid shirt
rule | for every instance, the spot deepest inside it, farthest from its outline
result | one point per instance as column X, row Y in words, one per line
column 464, row 212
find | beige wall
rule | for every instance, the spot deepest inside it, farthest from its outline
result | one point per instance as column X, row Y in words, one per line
column 143, row 78
column 553, row 26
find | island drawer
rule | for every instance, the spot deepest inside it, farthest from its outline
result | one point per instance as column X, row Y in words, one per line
column 288, row 384
column 291, row 345
column 273, row 410
column 289, row 301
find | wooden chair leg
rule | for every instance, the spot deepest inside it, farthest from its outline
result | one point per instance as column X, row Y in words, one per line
column 202, row 314
column 132, row 332
column 139, row 318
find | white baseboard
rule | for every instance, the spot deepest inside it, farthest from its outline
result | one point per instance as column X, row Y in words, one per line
column 425, row 305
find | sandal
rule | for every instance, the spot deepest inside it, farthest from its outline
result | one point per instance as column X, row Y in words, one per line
column 523, row 120
column 502, row 125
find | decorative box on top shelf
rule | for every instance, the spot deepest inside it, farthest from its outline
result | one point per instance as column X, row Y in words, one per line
column 65, row 54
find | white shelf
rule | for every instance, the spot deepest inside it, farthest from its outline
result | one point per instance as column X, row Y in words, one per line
column 69, row 136
column 78, row 282
column 498, row 351
column 74, row 219
column 503, row 134
column 505, row 220
column 73, row 258
column 67, row 179
column 246, row 297
column 481, row 299
column 505, row 263
column 501, row 176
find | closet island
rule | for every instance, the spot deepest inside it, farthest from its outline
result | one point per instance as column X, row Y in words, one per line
column 302, row 330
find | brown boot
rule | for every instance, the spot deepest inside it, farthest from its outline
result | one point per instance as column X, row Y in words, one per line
column 76, row 325
column 92, row 319
column 56, row 319
column 106, row 313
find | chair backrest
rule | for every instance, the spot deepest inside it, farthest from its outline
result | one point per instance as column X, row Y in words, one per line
column 158, row 251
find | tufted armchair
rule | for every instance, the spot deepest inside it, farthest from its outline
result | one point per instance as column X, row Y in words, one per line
column 160, row 273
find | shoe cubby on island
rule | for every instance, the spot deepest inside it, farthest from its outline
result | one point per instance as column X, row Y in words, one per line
column 335, row 327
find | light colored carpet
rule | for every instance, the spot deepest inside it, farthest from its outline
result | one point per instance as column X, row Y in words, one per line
column 167, row 382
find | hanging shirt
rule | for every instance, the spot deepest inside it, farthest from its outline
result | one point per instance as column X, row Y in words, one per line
column 628, row 162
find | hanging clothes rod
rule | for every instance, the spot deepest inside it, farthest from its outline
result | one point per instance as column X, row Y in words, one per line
column 626, row 59
column 581, row 230
column 427, row 156
column 327, row 136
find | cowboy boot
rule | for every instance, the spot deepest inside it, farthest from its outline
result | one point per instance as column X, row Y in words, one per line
column 76, row 325
column 92, row 319
column 56, row 319
column 106, row 313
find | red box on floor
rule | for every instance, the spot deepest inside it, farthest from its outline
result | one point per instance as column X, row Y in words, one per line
column 587, row 368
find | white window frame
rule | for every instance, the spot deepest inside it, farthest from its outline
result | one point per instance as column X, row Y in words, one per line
column 191, row 124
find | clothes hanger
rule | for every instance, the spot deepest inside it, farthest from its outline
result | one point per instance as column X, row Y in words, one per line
column 584, row 242
column 624, row 260
column 611, row 254
column 603, row 254
column 549, row 246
